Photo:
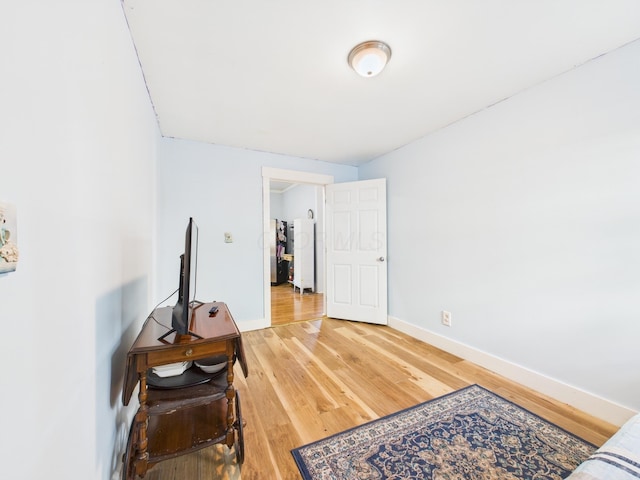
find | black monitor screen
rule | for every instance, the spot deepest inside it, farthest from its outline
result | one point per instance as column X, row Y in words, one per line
column 187, row 286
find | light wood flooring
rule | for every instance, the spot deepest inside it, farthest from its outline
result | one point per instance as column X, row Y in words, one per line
column 287, row 305
column 309, row 380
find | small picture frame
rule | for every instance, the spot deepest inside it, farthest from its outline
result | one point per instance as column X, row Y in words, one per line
column 8, row 238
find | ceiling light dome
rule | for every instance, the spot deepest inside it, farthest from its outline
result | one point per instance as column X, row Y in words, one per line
column 369, row 58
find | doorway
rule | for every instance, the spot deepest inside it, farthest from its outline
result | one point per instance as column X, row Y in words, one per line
column 288, row 195
column 301, row 205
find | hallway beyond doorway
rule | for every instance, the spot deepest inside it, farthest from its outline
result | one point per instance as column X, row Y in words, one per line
column 287, row 305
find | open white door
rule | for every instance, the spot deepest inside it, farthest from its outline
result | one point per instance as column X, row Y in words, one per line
column 356, row 242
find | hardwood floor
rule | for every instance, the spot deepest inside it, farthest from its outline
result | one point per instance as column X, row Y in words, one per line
column 287, row 305
column 309, row 380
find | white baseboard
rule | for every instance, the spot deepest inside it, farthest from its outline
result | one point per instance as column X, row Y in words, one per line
column 597, row 406
column 248, row 325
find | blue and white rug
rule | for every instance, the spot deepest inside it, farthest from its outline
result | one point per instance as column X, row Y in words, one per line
column 470, row 434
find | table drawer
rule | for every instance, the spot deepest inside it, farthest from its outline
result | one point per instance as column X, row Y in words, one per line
column 185, row 353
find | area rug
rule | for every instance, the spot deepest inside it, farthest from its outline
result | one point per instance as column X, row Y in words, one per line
column 470, row 434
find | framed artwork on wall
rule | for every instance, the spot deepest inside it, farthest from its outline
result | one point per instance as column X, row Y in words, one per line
column 8, row 238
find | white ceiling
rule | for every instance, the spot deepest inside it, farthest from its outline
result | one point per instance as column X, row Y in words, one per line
column 272, row 75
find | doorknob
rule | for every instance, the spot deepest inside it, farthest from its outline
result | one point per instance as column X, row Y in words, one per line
column 380, row 259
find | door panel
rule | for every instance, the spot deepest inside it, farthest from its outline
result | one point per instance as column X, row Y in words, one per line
column 356, row 251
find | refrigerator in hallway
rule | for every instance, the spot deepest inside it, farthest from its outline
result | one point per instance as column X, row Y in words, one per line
column 278, row 247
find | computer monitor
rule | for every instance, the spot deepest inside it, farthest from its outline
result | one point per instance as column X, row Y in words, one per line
column 187, row 303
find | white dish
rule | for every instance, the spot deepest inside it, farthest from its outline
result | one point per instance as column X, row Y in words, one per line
column 171, row 369
column 170, row 366
column 207, row 365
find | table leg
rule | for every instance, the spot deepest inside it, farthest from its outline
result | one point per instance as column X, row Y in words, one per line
column 230, row 394
column 141, row 418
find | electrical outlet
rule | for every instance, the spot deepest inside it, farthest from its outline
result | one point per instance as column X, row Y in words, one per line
column 446, row 318
column 227, row 237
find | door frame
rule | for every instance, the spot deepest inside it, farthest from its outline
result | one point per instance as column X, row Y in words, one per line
column 293, row 176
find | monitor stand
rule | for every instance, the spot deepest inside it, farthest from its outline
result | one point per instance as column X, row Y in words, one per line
column 173, row 330
column 194, row 305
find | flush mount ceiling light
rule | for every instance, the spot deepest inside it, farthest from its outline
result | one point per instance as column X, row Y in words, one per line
column 369, row 58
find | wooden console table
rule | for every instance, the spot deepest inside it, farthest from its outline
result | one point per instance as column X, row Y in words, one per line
column 181, row 419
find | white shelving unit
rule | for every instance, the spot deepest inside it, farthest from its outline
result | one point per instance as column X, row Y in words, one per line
column 304, row 254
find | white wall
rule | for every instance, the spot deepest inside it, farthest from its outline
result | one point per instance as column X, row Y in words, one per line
column 77, row 146
column 221, row 188
column 523, row 220
column 298, row 200
column 277, row 206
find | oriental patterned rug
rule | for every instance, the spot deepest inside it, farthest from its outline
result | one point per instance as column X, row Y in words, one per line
column 470, row 434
